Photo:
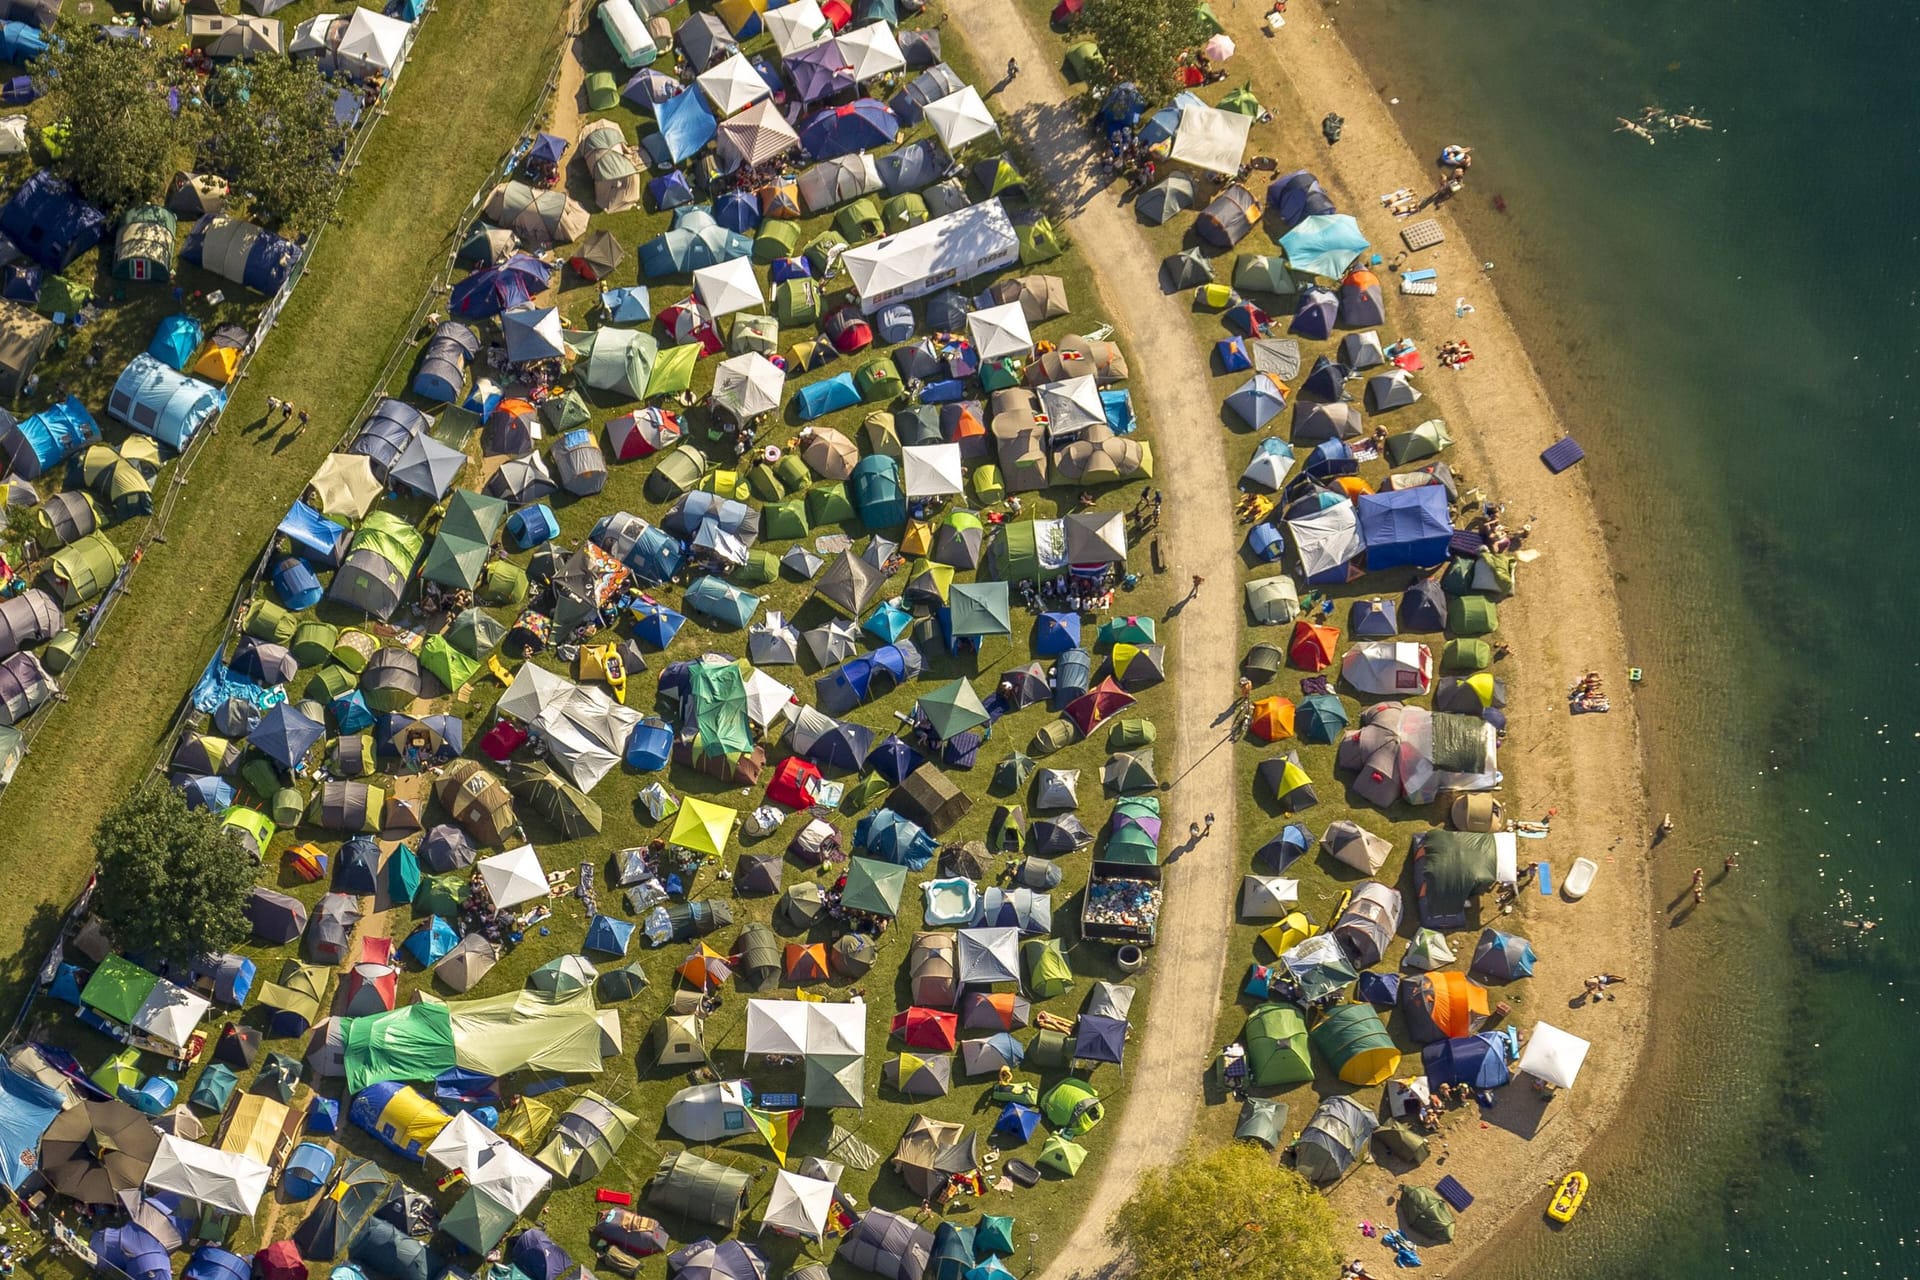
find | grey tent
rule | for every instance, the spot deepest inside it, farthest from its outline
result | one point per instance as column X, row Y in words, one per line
column 276, row 918
column 1262, row 1120
column 1366, row 928
column 931, row 799
column 1427, row 1213
column 1333, row 1140
column 26, row 620
column 1362, row 351
column 1162, row 201
column 1228, row 217
column 1187, row 270
column 705, row 40
column 850, row 584
column 888, row 1245
column 330, row 929
column 1313, row 422
column 931, row 970
column 427, row 467
column 25, row 687
column 700, row 1189
column 471, row 959
column 1391, row 390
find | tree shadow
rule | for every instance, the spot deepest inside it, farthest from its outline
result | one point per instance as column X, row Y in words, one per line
column 1056, row 140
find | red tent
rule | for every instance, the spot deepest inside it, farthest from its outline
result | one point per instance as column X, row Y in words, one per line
column 837, row 13
column 848, row 330
column 502, row 740
column 1065, row 11
column 794, row 783
column 1096, row 704
column 927, row 1028
column 1311, row 648
column 280, row 1260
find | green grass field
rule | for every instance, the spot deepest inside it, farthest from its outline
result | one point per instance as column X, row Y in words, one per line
column 457, row 108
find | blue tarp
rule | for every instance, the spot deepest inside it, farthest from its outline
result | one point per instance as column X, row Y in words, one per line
column 1405, row 526
column 175, row 339
column 50, row 222
column 1325, row 244
column 27, row 1107
column 314, row 537
column 861, row 125
column 817, row 399
column 36, row 445
column 21, row 42
column 220, row 682
column 162, row 402
column 685, row 126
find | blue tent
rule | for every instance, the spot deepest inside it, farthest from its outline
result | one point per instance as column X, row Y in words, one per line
column 1284, row 849
column 1405, row 526
column 269, row 262
column 1124, row 106
column 208, row 791
column 1382, row 989
column 285, row 735
column 27, row 1107
column 649, row 746
column 817, row 399
column 671, row 190
column 21, row 42
column 609, row 934
column 1326, row 382
column 175, row 339
column 1320, row 718
column 307, row 1171
column 1478, row 1060
column 1374, row 619
column 296, row 584
column 1324, row 244
column 888, row 623
column 1314, row 313
column 657, row 625
column 720, row 601
column 314, row 537
column 1018, row 1122
column 50, row 223
column 530, row 526
column 33, row 446
column 323, row 1115
column 852, row 682
column 491, row 290
column 655, row 556
column 162, row 402
column 546, row 151
column 738, row 210
column 685, row 126
column 890, row 837
column 877, row 492
column 357, row 869
column 1502, row 956
column 133, row 1251
column 23, row 282
column 211, row 1262
column 1258, row 400
column 350, row 712
column 1296, row 197
column 535, row 1254
column 861, row 125
column 893, row 759
column 1265, row 543
column 406, row 10
column 1334, row 458
column 629, row 305
column 430, row 941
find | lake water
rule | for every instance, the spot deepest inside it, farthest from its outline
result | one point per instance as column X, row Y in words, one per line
column 1728, row 322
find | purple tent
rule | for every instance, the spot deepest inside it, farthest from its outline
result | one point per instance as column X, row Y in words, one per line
column 841, row 131
column 134, row 1251
column 819, row 71
column 491, row 290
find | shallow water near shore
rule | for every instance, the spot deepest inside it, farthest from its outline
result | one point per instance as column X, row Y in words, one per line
column 1730, row 323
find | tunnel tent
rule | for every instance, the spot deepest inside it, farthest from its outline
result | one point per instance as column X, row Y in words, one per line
column 1333, row 1140
column 33, row 446
column 241, row 252
column 143, row 249
column 162, row 402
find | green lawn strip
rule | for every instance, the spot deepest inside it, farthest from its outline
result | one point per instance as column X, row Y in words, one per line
column 457, row 108
column 1046, row 1211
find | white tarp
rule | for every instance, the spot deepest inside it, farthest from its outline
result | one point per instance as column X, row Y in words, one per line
column 489, row 1162
column 799, row 1205
column 797, row 26
column 533, row 690
column 1327, row 540
column 1553, row 1055
column 932, row 470
column 170, row 1013
column 959, row 118
column 733, row 85
column 969, row 242
column 872, row 50
column 585, row 733
column 727, row 287
column 372, row 42
column 1211, row 139
column 220, row 1180
column 1388, row 667
column 513, row 877
column 1000, row 331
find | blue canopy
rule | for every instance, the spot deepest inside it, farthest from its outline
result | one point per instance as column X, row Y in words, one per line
column 657, row 625
column 162, row 402
column 861, row 125
column 34, row 446
column 891, row 837
column 491, row 290
column 175, row 339
column 1478, row 1060
column 1405, row 526
column 817, row 399
column 50, row 223
column 649, row 746
column 685, row 126
column 430, row 942
column 1324, row 244
column 546, row 150
column 877, row 492
column 1296, row 197
column 609, row 934
column 285, row 735
column 27, row 1107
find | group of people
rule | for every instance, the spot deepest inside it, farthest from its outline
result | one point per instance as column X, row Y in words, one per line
column 286, row 410
column 1589, row 693
column 1490, row 525
column 1455, row 353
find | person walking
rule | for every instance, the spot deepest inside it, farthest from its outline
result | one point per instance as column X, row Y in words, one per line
column 286, row 411
column 1209, row 828
column 1194, row 590
column 303, row 423
column 273, row 406
column 1193, row 831
column 1013, row 70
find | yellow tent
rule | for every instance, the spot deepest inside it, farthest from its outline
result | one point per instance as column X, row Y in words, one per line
column 1292, row 930
column 255, row 1128
column 918, row 540
column 673, row 370
column 523, row 1121
column 737, row 14
column 216, row 365
column 703, row 826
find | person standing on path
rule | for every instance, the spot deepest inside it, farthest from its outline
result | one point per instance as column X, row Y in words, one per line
column 1013, row 70
column 1209, row 829
column 1194, row 590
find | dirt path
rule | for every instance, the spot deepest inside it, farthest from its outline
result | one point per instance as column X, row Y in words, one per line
column 1170, row 1055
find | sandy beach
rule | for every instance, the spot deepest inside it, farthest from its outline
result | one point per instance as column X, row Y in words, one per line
column 1587, row 770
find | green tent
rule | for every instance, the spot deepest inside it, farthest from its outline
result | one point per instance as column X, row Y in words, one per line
column 214, row 1088
column 953, row 709
column 570, row 810
column 781, row 521
column 619, row 361
column 1451, row 868
column 1131, row 735
column 84, row 569
column 994, row 1236
column 1085, row 63
column 1354, row 1040
column 1427, row 1213
column 829, row 504
column 603, row 91
column 859, row 221
column 442, row 895
column 313, row 642
column 873, row 887
column 929, row 581
column 673, row 371
column 1242, row 101
column 563, row 413
column 1403, row 1140
column 403, row 875
column 719, row 698
column 118, row 988
column 1424, row 441
column 1061, row 1156
column 701, row 1189
column 413, row 1042
column 1072, row 1107
column 1463, row 656
column 1129, row 838
column 1127, row 629
column 1276, row 1038
column 905, row 210
column 445, row 663
column 979, row 609
column 1020, row 550
column 1262, row 1120
column 1038, row 241
column 478, row 1221
column 1472, row 615
column 1208, row 22
column 878, row 381
column 586, row 1138
column 1264, row 273
column 796, row 302
column 476, row 633
column 1048, row 973
column 778, row 238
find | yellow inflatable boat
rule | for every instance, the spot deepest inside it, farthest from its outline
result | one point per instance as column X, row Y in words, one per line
column 1567, row 1198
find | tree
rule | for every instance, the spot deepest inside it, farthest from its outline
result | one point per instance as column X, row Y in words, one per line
column 126, row 129
column 174, row 883
column 1234, row 1211
column 1142, row 40
column 275, row 138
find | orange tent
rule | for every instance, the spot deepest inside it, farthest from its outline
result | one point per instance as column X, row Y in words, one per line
column 806, row 962
column 704, row 968
column 1311, row 648
column 1272, row 719
column 1441, row 1006
column 1352, row 486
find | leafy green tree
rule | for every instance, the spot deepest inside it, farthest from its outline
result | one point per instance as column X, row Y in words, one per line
column 174, row 883
column 274, row 137
column 1142, row 40
column 1232, row 1211
column 124, row 136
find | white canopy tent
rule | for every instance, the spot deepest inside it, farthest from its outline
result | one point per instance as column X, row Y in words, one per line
column 768, row 701
column 969, row 242
column 1326, row 540
column 872, row 50
column 170, row 1013
column 797, row 26
column 513, row 877
column 489, row 1162
column 225, row 1181
column 933, row 470
column 1000, row 331
column 733, row 85
column 1553, row 1056
column 749, row 385
column 987, row 956
column 1096, row 537
column 804, row 1027
column 799, row 1205
column 959, row 118
column 1072, row 406
column 373, row 43
column 756, row 135
column 1211, row 139
column 727, row 287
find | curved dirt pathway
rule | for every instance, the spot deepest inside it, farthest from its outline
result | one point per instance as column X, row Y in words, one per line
column 1170, row 1055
